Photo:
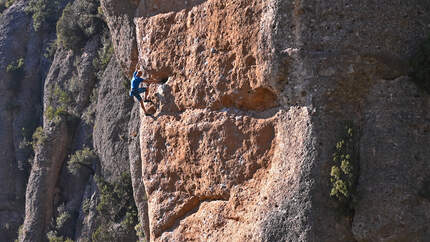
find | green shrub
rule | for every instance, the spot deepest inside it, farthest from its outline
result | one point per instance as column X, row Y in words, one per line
column 116, row 204
column 62, row 96
column 50, row 112
column 15, row 66
column 44, row 12
column 344, row 169
column 53, row 237
column 89, row 115
column 9, row 3
column 38, row 138
column 20, row 232
column 103, row 233
column 86, row 205
column 69, row 34
column 139, row 230
column 56, row 114
column 420, row 66
column 61, row 100
column 62, row 219
column 104, row 56
column 50, row 50
column 78, row 22
column 4, row 4
column 81, row 158
column 63, row 216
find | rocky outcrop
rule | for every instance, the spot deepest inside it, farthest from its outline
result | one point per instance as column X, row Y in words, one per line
column 77, row 85
column 119, row 17
column 54, row 179
column 111, row 122
column 52, row 149
column 241, row 143
column 20, row 108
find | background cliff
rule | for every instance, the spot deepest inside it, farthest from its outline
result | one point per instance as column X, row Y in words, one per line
column 70, row 177
column 280, row 121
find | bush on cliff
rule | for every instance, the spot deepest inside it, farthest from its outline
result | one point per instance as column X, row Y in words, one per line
column 420, row 66
column 53, row 237
column 116, row 206
column 78, row 23
column 82, row 158
column 344, row 170
column 38, row 137
column 15, row 66
column 104, row 55
column 16, row 70
column 4, row 4
column 61, row 101
column 44, row 12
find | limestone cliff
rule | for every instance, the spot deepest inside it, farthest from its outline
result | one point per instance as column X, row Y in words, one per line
column 22, row 66
column 241, row 144
column 245, row 133
column 64, row 78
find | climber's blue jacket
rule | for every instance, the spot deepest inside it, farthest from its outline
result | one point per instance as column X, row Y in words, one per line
column 136, row 81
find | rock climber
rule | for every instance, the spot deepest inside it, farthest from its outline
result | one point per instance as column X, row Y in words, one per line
column 135, row 90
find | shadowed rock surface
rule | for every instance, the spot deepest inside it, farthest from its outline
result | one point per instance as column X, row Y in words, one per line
column 20, row 108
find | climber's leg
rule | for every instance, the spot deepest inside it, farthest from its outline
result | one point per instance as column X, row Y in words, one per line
column 136, row 93
column 146, row 97
column 142, row 105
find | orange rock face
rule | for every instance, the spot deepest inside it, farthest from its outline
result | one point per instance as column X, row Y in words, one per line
column 210, row 149
column 210, row 53
column 240, row 144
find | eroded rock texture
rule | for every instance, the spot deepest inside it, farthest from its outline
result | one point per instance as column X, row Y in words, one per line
column 41, row 192
column 240, row 144
column 20, row 107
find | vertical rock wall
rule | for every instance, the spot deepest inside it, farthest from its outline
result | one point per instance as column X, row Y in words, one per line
column 258, row 90
column 240, row 144
column 20, row 108
column 212, row 148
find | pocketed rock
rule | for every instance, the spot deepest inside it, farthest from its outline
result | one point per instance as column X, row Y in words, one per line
column 240, row 146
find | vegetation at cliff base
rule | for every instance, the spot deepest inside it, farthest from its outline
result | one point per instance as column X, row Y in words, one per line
column 116, row 206
column 53, row 237
column 344, row 169
column 420, row 66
